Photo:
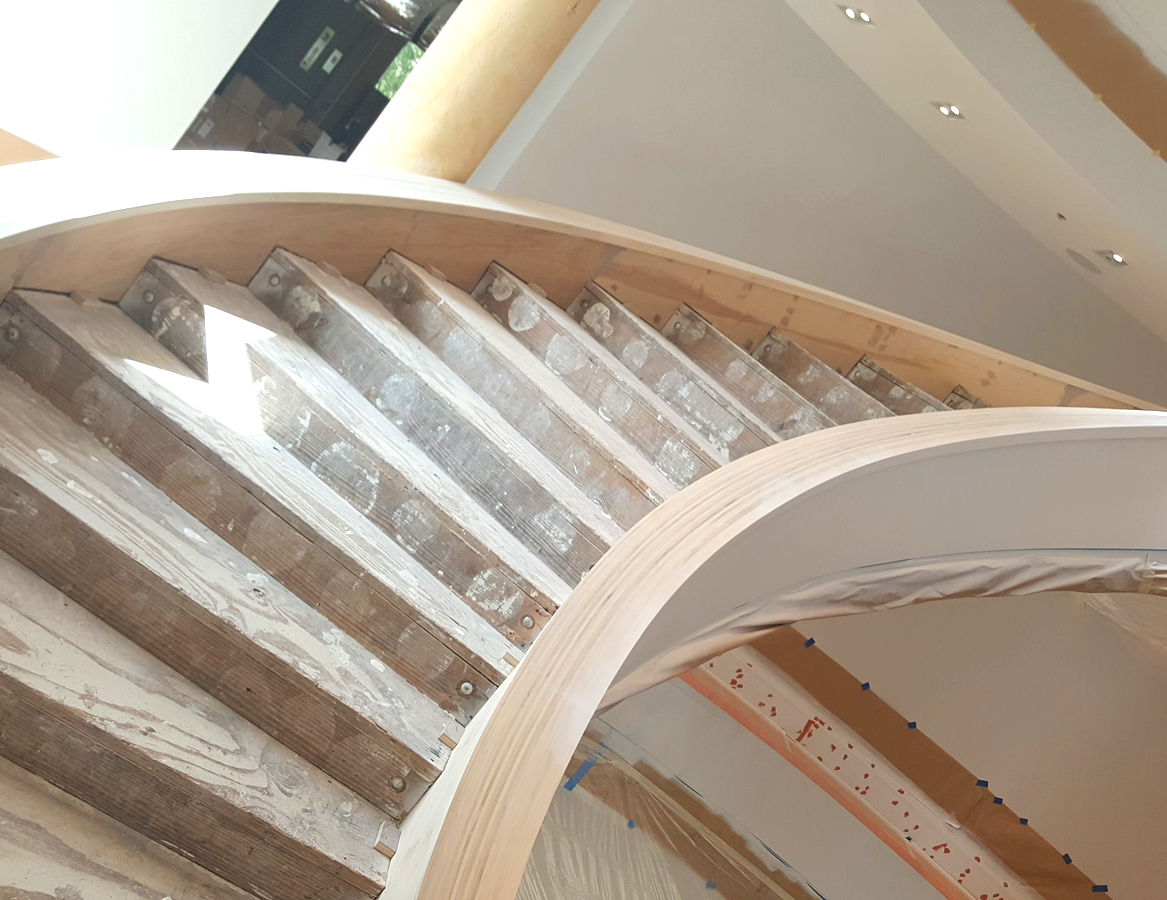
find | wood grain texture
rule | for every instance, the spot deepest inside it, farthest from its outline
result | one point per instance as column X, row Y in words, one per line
column 526, row 393
column 99, row 238
column 472, row 833
column 673, row 378
column 892, row 391
column 753, row 385
column 86, row 709
column 677, row 450
column 88, row 363
column 246, row 346
column 82, row 520
column 53, row 846
column 829, row 392
column 455, row 427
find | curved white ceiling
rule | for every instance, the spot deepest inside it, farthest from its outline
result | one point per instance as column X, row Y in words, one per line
column 1033, row 139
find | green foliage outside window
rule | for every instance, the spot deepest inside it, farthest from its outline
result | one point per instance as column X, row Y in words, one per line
column 399, row 70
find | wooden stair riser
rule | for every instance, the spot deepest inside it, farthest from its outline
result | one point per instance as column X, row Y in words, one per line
column 525, row 393
column 753, row 385
column 892, row 391
column 677, row 450
column 85, row 523
column 276, row 361
column 962, row 399
column 829, row 392
column 447, row 421
column 79, row 360
column 672, row 377
column 86, row 709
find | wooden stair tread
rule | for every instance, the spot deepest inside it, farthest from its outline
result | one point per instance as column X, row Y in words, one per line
column 662, row 437
column 86, row 523
column 753, row 385
column 176, row 317
column 892, row 391
column 960, row 398
column 526, row 393
column 671, row 377
column 829, row 392
column 453, row 425
column 108, row 373
column 85, row 708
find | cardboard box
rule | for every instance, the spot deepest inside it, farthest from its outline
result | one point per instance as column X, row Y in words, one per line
column 223, row 126
column 270, row 142
column 244, row 94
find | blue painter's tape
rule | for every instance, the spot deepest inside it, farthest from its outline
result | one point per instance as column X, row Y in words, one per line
column 998, row 800
column 585, row 767
column 1023, row 820
column 982, row 783
column 1066, row 858
column 1100, row 889
column 866, row 686
column 711, row 885
column 809, row 642
column 911, row 724
column 631, row 823
column 909, row 837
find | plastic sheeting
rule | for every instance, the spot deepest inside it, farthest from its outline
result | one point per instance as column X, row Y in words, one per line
column 902, row 584
column 587, row 851
column 1141, row 615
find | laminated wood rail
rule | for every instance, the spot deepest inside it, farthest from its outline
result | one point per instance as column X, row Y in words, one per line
column 335, row 517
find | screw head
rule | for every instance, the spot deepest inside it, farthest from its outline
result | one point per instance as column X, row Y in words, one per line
column 466, row 688
column 386, row 280
column 259, row 593
column 528, row 622
column 12, row 333
column 148, row 297
column 273, row 280
column 397, row 784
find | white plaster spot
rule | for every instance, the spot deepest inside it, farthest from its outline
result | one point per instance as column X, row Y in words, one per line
column 765, row 394
column 598, row 320
column 491, row 591
column 614, row 403
column 736, row 371
column 303, row 305
column 426, row 319
column 537, row 420
column 194, row 535
column 635, row 354
column 130, row 478
column 685, row 330
column 559, row 532
column 523, row 314
column 461, row 345
column 398, row 394
column 47, row 456
column 376, row 664
column 677, row 463
column 563, row 356
column 78, row 489
column 258, row 579
column 415, row 525
column 578, row 461
column 501, row 289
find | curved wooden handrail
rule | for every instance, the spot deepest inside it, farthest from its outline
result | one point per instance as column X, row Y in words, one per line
column 90, row 225
column 970, row 482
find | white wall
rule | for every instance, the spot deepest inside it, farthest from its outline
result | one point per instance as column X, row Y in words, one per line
column 1063, row 713
column 730, row 125
column 83, row 76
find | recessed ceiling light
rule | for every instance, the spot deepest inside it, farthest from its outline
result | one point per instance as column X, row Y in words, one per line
column 1115, row 259
column 949, row 110
column 856, row 15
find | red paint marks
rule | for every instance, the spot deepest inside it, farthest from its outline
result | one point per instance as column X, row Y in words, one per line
column 895, row 803
column 977, row 858
column 943, row 847
column 901, row 790
column 810, row 726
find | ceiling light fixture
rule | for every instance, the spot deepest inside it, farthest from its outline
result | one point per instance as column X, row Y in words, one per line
column 1115, row 259
column 858, row 16
column 949, row 110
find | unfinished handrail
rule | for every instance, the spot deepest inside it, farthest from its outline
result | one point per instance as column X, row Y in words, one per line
column 91, row 224
column 963, row 483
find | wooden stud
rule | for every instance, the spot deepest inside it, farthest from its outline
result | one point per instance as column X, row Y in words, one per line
column 962, row 399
